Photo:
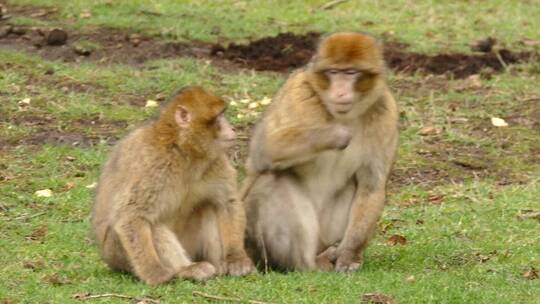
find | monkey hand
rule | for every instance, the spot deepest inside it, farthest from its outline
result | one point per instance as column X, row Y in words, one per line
column 347, row 261
column 340, row 138
column 240, row 266
column 325, row 260
column 200, row 271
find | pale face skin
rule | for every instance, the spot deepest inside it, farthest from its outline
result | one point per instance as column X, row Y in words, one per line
column 226, row 134
column 341, row 95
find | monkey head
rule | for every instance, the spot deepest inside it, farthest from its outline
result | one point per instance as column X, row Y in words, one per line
column 197, row 117
column 347, row 72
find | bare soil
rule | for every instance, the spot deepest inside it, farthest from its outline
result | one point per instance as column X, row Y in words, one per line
column 281, row 53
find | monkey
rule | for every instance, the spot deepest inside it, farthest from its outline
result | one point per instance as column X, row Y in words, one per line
column 167, row 203
column 319, row 160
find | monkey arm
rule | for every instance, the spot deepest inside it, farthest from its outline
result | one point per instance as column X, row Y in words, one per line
column 365, row 211
column 232, row 221
column 367, row 207
column 290, row 146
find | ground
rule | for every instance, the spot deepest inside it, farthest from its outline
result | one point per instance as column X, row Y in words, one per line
column 462, row 220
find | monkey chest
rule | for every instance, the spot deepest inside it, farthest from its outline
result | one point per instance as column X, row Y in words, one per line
column 332, row 171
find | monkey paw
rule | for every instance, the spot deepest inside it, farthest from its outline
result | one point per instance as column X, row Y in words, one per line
column 348, row 263
column 240, row 266
column 342, row 137
column 157, row 276
column 325, row 260
column 200, row 271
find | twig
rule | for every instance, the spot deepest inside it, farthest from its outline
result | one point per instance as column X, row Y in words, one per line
column 151, row 13
column 85, row 297
column 222, row 298
column 332, row 4
column 499, row 57
column 27, row 216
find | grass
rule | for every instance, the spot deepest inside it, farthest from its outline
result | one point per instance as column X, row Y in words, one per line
column 465, row 240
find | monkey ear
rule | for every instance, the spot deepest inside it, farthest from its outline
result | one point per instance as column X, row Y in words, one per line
column 182, row 116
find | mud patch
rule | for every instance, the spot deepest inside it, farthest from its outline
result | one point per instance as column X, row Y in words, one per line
column 287, row 50
column 281, row 53
column 443, row 163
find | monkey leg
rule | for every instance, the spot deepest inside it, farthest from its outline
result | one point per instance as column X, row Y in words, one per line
column 136, row 238
column 202, row 240
column 282, row 223
column 334, row 217
column 171, row 253
column 113, row 253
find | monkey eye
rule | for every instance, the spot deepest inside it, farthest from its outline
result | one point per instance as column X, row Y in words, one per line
column 351, row 72
column 332, row 72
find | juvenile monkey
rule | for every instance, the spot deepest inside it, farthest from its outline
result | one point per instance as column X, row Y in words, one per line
column 319, row 160
column 166, row 202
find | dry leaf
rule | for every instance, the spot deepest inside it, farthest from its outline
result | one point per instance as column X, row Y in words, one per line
column 69, row 185
column 33, row 265
column 233, row 104
column 239, row 115
column 151, row 103
column 474, row 81
column 24, row 102
column 253, row 105
column 531, row 274
column 435, row 199
column 244, row 101
column 530, row 42
column 44, row 193
column 91, row 186
column 265, row 101
column 410, row 279
column 498, row 122
column 85, row 15
column 396, row 239
column 529, row 214
column 55, row 279
column 38, row 234
column 457, row 120
column 425, row 131
column 377, row 298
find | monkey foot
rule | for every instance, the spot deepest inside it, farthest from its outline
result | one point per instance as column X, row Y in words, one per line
column 348, row 261
column 200, row 271
column 240, row 267
column 157, row 277
column 325, row 260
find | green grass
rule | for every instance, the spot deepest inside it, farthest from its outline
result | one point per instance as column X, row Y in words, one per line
column 465, row 240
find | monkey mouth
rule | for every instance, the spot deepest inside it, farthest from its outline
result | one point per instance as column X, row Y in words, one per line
column 342, row 111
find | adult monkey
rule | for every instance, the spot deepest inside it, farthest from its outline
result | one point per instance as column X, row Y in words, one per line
column 320, row 158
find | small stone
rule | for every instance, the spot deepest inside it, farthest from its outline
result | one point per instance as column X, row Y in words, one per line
column 483, row 45
column 57, row 37
column 19, row 31
column 5, row 30
column 82, row 51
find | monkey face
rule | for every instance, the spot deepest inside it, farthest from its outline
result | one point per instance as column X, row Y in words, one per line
column 340, row 95
column 225, row 135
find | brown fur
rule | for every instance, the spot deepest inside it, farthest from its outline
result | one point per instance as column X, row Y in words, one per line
column 323, row 176
column 166, row 202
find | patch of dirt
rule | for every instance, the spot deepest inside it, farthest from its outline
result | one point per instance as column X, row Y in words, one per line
column 55, row 137
column 281, row 53
column 83, row 132
column 287, row 50
column 450, row 162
